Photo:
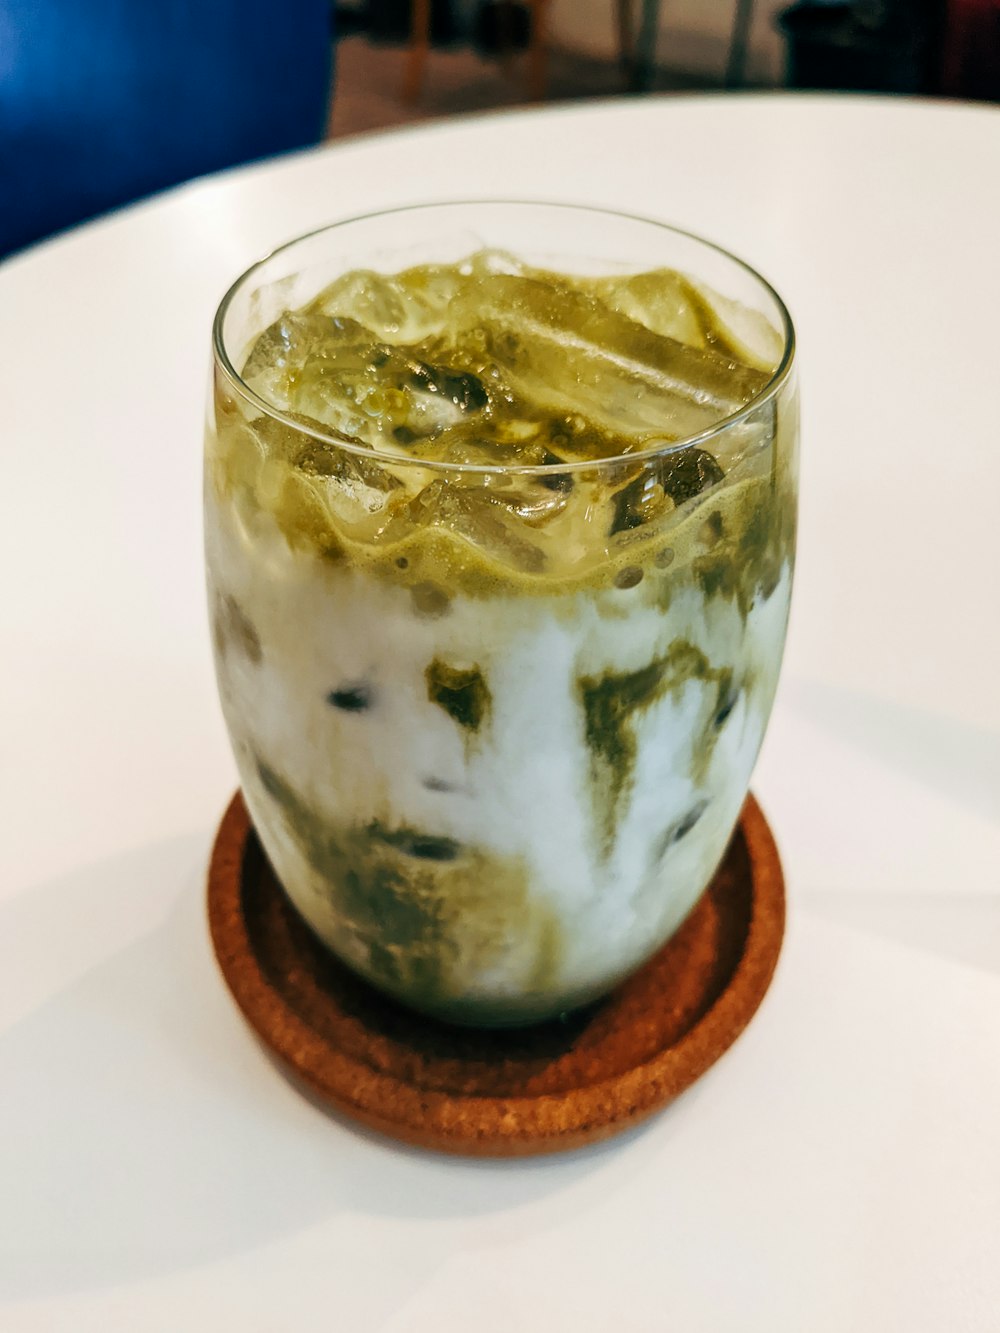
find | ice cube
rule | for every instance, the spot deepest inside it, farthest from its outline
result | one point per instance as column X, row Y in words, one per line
column 737, row 330
column 477, row 515
column 437, row 396
column 564, row 348
column 400, row 307
column 308, row 364
column 359, row 386
column 276, row 359
column 571, row 437
column 347, row 485
column 662, row 484
column 664, row 301
column 481, row 443
column 530, row 500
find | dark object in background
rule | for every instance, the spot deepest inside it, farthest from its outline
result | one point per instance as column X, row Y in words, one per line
column 496, row 27
column 501, row 26
column 970, row 50
column 392, row 21
column 105, row 101
column 862, row 47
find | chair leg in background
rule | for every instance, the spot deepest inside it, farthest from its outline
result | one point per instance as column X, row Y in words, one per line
column 626, row 38
column 645, row 56
column 737, row 62
column 420, row 40
column 538, row 52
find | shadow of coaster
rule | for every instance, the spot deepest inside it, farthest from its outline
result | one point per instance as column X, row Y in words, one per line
column 510, row 1092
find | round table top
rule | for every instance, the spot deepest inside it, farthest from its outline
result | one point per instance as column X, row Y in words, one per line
column 162, row 1171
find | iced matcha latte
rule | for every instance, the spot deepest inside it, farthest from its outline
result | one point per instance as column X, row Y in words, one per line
column 500, row 522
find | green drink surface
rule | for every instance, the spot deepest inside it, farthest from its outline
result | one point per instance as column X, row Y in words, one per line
column 491, row 362
column 473, row 396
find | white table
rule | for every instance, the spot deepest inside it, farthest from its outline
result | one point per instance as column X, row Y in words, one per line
column 840, row 1169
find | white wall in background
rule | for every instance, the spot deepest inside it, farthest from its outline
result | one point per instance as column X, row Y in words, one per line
column 694, row 34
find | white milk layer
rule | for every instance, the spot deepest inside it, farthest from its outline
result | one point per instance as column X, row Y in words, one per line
column 601, row 883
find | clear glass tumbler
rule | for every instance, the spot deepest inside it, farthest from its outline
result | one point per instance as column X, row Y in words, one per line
column 495, row 711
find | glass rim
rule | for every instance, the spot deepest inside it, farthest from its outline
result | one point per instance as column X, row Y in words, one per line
column 769, row 390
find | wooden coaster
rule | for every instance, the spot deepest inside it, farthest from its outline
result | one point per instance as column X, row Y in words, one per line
column 505, row 1093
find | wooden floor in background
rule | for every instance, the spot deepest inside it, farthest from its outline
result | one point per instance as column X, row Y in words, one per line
column 368, row 86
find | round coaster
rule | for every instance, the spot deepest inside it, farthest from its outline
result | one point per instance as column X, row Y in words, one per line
column 499, row 1093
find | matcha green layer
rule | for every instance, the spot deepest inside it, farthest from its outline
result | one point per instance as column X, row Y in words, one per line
column 489, row 364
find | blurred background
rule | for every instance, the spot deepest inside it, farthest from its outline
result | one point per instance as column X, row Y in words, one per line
column 106, row 101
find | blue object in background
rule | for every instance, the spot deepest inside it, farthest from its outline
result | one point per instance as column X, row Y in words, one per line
column 105, row 101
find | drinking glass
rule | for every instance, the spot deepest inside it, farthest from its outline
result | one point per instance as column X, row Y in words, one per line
column 495, row 713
